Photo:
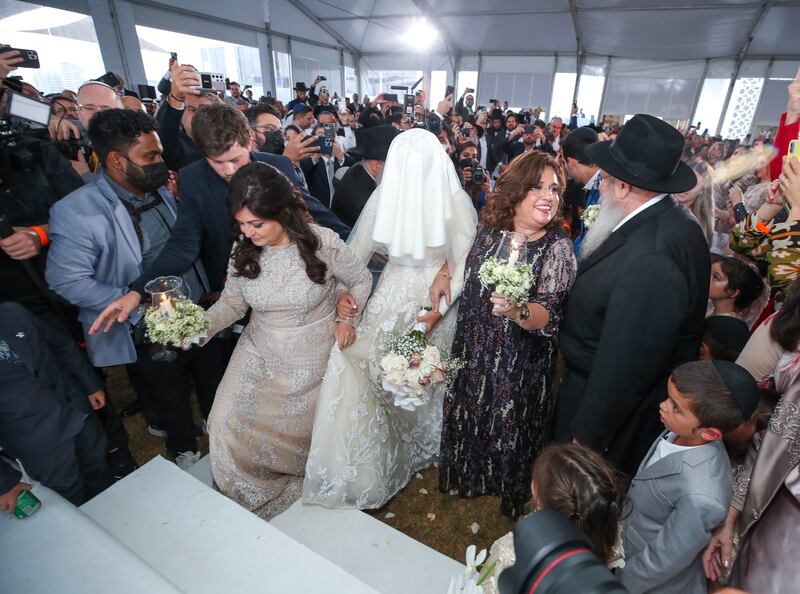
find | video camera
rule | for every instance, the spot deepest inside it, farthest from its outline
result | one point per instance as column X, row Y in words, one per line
column 555, row 557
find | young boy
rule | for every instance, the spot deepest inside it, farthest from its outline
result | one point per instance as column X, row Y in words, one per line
column 683, row 487
column 723, row 339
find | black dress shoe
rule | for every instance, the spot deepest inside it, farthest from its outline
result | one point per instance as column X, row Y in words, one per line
column 121, row 462
column 134, row 408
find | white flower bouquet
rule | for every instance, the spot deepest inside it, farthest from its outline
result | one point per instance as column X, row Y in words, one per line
column 411, row 366
column 512, row 280
column 590, row 214
column 176, row 321
column 473, row 578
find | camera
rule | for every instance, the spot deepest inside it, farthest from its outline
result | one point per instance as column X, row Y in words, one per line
column 478, row 173
column 554, row 557
column 211, row 81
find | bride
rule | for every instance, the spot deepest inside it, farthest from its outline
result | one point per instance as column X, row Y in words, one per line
column 363, row 448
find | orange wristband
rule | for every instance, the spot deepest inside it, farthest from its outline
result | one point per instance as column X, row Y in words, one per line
column 42, row 236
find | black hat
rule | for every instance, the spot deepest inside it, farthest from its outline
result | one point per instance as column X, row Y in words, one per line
column 301, row 86
column 732, row 333
column 374, row 142
column 741, row 384
column 646, row 154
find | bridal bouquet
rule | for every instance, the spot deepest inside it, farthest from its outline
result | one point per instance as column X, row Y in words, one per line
column 590, row 214
column 510, row 279
column 473, row 578
column 411, row 366
column 176, row 321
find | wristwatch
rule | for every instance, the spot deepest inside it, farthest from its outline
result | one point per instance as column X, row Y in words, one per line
column 524, row 314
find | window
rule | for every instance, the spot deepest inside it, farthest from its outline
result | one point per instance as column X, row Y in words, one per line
column 590, row 93
column 350, row 82
column 438, row 88
column 283, row 76
column 375, row 82
column 467, row 79
column 709, row 107
column 237, row 62
column 563, row 90
column 306, row 70
column 742, row 107
column 65, row 41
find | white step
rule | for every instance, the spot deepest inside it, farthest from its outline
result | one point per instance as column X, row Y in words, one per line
column 205, row 543
column 59, row 550
column 363, row 546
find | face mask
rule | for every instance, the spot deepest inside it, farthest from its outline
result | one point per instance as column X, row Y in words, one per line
column 151, row 178
column 273, row 143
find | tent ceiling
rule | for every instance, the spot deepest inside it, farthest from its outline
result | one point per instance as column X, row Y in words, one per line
column 652, row 29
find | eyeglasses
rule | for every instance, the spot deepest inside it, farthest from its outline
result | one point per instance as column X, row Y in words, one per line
column 95, row 108
column 264, row 128
column 552, row 192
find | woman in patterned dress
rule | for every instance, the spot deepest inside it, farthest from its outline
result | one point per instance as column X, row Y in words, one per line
column 495, row 415
column 286, row 270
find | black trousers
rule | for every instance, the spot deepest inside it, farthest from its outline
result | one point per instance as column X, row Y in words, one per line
column 75, row 469
column 170, row 382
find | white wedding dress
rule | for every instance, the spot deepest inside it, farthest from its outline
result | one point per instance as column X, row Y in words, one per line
column 364, row 449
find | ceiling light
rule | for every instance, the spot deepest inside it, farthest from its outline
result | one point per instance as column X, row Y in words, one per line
column 420, row 35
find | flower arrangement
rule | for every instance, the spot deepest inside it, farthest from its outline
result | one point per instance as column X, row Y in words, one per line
column 512, row 280
column 590, row 214
column 176, row 321
column 411, row 366
column 471, row 581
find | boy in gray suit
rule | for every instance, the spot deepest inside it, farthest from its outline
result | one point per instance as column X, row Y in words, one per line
column 683, row 487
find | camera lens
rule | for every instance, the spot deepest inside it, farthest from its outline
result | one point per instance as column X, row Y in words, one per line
column 554, row 557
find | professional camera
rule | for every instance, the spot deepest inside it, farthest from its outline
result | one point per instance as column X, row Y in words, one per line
column 554, row 557
column 478, row 173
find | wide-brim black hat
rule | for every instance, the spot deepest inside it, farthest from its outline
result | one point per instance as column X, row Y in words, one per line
column 646, row 154
column 374, row 142
column 301, row 86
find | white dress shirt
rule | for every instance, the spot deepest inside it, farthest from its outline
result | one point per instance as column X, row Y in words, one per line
column 646, row 205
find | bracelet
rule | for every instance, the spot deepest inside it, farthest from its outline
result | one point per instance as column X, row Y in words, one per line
column 524, row 314
column 42, row 235
column 175, row 98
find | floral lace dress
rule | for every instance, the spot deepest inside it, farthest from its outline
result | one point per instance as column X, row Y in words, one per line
column 260, row 425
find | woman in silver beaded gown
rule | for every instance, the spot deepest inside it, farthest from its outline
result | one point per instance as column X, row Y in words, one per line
column 286, row 271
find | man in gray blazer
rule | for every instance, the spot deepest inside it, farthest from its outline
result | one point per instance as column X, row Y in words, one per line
column 102, row 236
column 683, row 487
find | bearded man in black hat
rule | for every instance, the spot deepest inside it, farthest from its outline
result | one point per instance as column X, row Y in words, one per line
column 356, row 186
column 637, row 306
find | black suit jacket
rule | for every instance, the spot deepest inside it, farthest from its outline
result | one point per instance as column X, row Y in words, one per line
column 495, row 145
column 317, row 177
column 352, row 192
column 179, row 150
column 635, row 313
column 515, row 148
column 44, row 402
column 204, row 224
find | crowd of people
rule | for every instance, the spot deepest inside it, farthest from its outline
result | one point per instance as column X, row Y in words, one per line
column 665, row 267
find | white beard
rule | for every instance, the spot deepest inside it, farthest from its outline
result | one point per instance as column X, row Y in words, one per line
column 610, row 215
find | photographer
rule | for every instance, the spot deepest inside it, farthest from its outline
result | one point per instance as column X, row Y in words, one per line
column 475, row 177
column 533, row 139
column 235, row 98
column 175, row 117
column 465, row 104
column 319, row 169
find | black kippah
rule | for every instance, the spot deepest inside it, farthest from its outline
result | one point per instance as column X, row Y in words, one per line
column 741, row 384
column 730, row 332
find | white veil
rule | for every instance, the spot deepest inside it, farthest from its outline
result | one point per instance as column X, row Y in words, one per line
column 419, row 209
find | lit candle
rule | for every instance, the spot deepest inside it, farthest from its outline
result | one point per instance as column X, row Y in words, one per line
column 514, row 256
column 165, row 306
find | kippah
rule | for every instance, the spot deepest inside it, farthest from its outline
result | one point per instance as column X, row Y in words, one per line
column 741, row 384
column 730, row 332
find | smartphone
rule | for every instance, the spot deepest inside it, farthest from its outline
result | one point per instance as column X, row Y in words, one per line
column 323, row 78
column 409, row 104
column 173, row 55
column 30, row 59
column 468, row 90
column 324, row 143
column 390, row 97
column 110, row 79
column 210, row 81
column 794, row 150
column 451, row 90
column 495, row 101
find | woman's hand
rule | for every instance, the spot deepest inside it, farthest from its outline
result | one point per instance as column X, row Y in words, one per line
column 440, row 288
column 735, row 195
column 431, row 318
column 503, row 307
column 789, row 184
column 8, row 500
column 8, row 61
column 346, row 306
column 116, row 311
column 344, row 334
column 718, row 552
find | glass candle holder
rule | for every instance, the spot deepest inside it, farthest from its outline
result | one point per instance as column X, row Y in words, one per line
column 163, row 290
column 513, row 248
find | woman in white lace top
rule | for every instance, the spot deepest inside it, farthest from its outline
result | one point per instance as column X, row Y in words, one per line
column 579, row 483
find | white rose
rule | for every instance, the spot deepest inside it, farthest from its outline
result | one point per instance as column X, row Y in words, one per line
column 393, row 363
column 431, row 356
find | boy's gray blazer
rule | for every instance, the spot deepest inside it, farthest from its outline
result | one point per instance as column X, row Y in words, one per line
column 674, row 506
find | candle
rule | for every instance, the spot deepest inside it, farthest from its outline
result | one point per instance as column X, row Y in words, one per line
column 165, row 306
column 514, row 256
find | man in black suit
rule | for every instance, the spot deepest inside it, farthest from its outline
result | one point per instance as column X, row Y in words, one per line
column 204, row 227
column 47, row 392
column 355, row 188
column 532, row 139
column 637, row 307
column 320, row 168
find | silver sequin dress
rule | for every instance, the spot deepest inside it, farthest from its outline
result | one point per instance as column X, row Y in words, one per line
column 263, row 414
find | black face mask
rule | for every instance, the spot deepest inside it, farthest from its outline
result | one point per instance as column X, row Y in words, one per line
column 152, row 176
column 274, row 143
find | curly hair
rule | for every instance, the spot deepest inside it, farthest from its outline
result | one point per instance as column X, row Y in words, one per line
column 268, row 194
column 577, row 482
column 118, row 130
column 524, row 172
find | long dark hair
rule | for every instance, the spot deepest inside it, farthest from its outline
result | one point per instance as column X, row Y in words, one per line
column 269, row 194
column 577, row 482
column 785, row 327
